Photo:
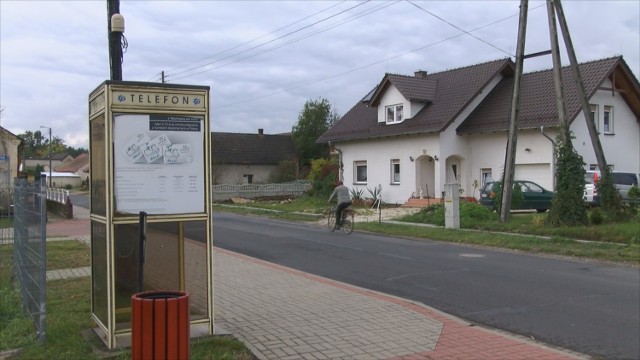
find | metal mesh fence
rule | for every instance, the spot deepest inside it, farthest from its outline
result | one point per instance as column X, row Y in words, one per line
column 29, row 249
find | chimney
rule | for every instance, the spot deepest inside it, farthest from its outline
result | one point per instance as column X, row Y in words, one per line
column 260, row 131
column 420, row 74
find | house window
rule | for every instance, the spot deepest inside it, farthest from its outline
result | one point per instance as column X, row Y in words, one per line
column 394, row 114
column 360, row 169
column 486, row 176
column 594, row 116
column 607, row 120
column 395, row 171
column 248, row 178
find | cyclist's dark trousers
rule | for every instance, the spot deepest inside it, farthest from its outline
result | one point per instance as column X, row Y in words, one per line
column 340, row 210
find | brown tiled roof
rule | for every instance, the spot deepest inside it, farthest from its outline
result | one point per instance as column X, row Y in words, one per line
column 251, row 149
column 537, row 97
column 447, row 93
column 75, row 164
column 412, row 88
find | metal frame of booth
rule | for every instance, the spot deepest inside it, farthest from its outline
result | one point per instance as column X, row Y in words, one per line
column 172, row 185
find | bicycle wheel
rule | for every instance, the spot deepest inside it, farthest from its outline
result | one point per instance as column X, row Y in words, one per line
column 347, row 223
column 331, row 221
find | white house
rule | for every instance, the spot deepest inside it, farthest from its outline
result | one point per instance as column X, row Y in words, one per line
column 414, row 134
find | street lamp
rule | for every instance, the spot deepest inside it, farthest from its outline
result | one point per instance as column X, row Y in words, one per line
column 46, row 127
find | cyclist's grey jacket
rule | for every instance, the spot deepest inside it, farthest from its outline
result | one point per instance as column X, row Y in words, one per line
column 343, row 194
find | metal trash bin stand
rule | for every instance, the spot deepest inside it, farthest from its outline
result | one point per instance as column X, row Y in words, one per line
column 160, row 325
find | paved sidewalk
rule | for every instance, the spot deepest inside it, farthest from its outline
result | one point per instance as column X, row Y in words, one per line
column 281, row 313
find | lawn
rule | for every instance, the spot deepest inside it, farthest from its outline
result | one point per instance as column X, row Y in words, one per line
column 616, row 242
column 68, row 315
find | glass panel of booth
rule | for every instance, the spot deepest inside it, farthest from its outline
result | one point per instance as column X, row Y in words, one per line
column 159, row 165
column 163, row 268
column 99, row 283
column 98, row 165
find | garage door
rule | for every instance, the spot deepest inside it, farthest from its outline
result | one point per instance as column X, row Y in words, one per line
column 538, row 173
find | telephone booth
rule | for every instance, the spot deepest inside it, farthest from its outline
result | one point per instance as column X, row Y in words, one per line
column 150, row 148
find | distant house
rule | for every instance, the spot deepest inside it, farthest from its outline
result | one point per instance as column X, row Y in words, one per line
column 9, row 161
column 249, row 158
column 56, row 160
column 412, row 135
column 78, row 166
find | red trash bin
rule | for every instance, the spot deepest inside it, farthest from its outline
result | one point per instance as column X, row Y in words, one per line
column 160, row 325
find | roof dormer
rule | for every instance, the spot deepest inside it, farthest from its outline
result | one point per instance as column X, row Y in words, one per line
column 400, row 97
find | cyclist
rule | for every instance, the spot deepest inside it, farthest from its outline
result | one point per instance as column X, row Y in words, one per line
column 344, row 201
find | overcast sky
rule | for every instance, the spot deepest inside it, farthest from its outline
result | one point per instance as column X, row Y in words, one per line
column 264, row 59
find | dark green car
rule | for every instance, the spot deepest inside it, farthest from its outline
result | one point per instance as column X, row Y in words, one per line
column 534, row 196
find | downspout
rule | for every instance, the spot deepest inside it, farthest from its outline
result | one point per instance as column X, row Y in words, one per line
column 340, row 163
column 553, row 156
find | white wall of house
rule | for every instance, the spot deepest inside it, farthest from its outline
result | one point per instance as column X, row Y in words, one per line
column 456, row 150
column 487, row 151
column 378, row 155
column 622, row 147
column 63, row 179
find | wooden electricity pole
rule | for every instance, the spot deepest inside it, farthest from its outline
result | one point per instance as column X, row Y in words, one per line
column 557, row 73
column 507, row 180
column 582, row 94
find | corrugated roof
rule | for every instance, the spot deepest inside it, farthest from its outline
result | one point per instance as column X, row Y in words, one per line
column 447, row 93
column 251, row 149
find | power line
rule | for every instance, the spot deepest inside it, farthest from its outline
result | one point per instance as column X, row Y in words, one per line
column 349, row 19
column 270, row 41
column 370, row 64
column 255, row 39
column 459, row 28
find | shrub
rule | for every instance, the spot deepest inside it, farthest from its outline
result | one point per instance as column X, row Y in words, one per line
column 538, row 220
column 634, row 198
column 357, row 196
column 596, row 217
column 323, row 177
column 516, row 196
column 435, row 214
column 567, row 207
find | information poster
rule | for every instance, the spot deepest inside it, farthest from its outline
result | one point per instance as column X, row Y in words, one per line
column 159, row 164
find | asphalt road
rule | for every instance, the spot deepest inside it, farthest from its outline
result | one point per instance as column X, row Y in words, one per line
column 589, row 307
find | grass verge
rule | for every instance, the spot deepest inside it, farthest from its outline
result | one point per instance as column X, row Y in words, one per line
column 614, row 242
column 69, row 314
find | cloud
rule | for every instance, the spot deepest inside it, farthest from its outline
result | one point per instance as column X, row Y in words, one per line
column 264, row 59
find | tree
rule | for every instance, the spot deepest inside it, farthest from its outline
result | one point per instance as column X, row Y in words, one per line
column 36, row 144
column 315, row 118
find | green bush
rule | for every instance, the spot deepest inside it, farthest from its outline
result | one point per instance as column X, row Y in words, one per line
column 323, row 177
column 469, row 213
column 567, row 207
column 634, row 198
column 516, row 196
column 596, row 217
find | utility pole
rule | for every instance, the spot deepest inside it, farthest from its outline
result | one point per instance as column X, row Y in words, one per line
column 46, row 127
column 582, row 94
column 510, row 160
column 557, row 73
column 115, row 45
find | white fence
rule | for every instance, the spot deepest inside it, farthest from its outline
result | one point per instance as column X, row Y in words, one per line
column 249, row 191
column 58, row 195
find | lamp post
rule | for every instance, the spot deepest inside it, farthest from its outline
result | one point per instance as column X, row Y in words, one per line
column 46, row 127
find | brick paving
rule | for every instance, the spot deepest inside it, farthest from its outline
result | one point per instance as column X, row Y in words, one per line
column 282, row 313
